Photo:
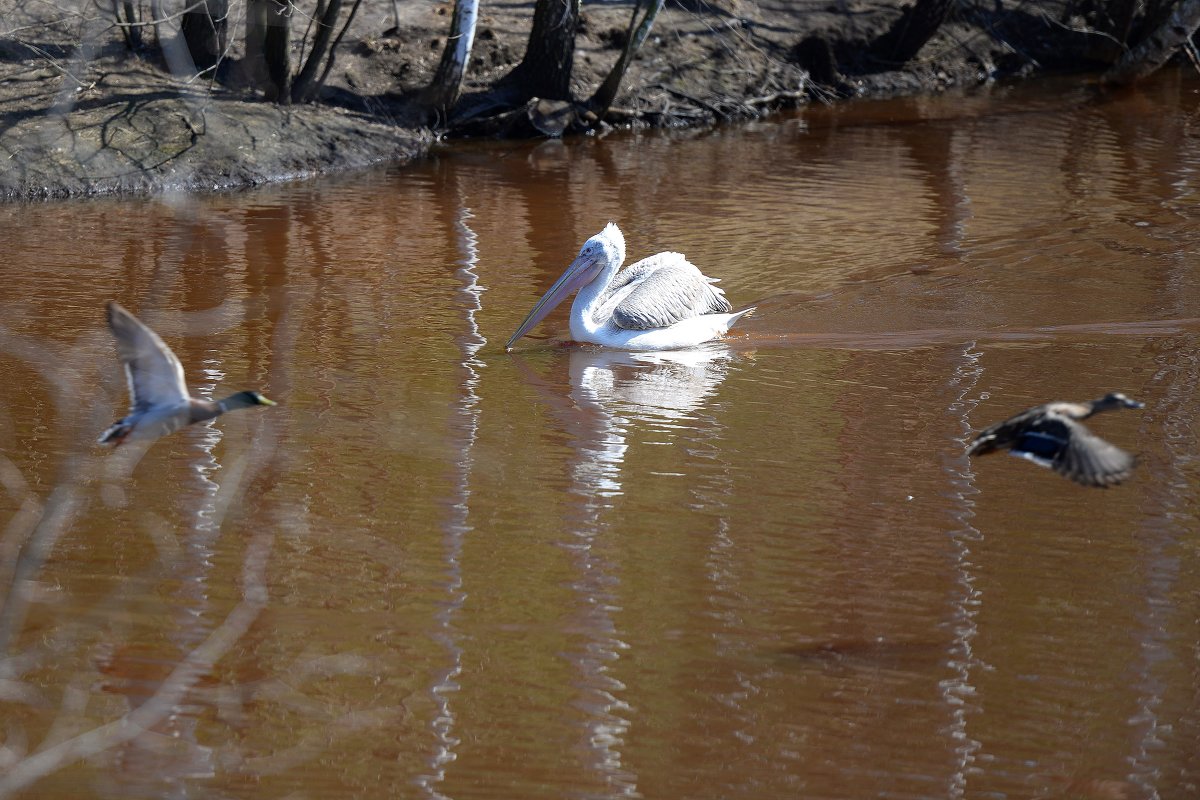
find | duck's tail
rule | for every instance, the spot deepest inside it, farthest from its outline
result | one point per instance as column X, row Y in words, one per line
column 982, row 446
column 115, row 433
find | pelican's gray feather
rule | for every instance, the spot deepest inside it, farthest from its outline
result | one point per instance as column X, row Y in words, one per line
column 638, row 270
column 658, row 292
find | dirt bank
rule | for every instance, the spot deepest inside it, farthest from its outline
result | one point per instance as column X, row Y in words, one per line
column 79, row 115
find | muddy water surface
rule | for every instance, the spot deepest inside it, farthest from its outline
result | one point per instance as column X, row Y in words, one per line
column 761, row 569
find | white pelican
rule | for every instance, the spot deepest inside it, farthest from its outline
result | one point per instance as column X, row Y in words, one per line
column 659, row 303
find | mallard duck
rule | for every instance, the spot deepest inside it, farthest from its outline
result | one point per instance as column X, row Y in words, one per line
column 1052, row 435
column 159, row 402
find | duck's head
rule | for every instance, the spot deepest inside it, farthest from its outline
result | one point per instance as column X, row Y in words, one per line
column 1116, row 400
column 245, row 400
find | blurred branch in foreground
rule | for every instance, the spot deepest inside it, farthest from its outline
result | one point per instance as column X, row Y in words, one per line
column 194, row 666
column 30, row 538
column 31, row 534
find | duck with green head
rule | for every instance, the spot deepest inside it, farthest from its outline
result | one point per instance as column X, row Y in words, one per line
column 1053, row 435
column 159, row 402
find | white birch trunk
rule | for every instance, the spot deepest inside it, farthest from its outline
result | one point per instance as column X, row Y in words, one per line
column 446, row 86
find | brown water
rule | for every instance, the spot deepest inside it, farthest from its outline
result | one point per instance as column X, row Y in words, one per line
column 762, row 569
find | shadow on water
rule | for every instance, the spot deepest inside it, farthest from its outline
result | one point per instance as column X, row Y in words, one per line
column 918, row 656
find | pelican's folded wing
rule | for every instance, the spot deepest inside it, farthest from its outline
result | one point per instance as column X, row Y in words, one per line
column 669, row 295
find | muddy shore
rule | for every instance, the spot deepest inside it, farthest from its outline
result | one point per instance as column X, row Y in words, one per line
column 80, row 115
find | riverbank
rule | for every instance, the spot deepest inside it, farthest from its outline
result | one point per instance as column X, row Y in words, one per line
column 81, row 116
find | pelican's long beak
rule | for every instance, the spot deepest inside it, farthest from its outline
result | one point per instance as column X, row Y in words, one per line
column 581, row 272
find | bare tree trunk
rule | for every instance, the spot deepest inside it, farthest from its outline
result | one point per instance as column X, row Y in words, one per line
column 1120, row 18
column 333, row 47
column 1155, row 13
column 156, row 16
column 443, row 91
column 545, row 71
column 919, row 22
column 204, row 31
column 268, row 28
column 130, row 30
column 604, row 96
column 394, row 29
column 1158, row 46
column 302, row 87
column 1115, row 21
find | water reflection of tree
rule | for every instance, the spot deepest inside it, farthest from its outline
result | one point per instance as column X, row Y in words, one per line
column 1164, row 725
column 958, row 691
column 939, row 151
column 464, row 431
column 201, row 284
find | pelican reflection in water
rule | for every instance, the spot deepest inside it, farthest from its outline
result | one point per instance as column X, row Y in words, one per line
column 648, row 386
column 613, row 396
column 659, row 303
column 609, row 390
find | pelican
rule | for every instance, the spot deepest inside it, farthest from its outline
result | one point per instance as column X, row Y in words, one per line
column 159, row 402
column 659, row 303
column 1053, row 435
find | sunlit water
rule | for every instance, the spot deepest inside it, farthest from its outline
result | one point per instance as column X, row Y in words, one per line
column 760, row 569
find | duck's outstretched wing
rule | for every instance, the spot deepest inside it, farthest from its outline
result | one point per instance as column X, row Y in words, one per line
column 154, row 374
column 1071, row 450
column 660, row 291
column 1004, row 434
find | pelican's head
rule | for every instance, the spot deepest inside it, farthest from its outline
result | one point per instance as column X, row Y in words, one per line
column 1116, row 400
column 605, row 250
column 611, row 240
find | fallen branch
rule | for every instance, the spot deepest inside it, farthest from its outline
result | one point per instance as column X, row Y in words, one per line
column 777, row 98
column 697, row 101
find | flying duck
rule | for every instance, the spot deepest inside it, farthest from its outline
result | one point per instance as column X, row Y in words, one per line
column 159, row 402
column 1053, row 435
